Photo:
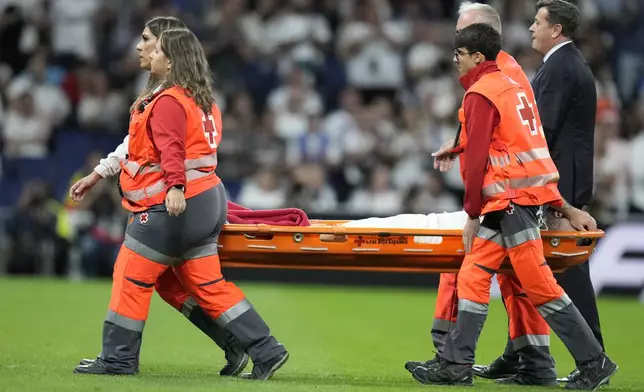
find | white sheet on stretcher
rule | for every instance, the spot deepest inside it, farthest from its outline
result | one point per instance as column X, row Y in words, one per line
column 441, row 221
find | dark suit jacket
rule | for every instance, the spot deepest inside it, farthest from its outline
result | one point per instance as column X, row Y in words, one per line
column 564, row 89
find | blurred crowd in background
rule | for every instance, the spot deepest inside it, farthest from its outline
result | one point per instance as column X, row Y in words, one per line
column 332, row 106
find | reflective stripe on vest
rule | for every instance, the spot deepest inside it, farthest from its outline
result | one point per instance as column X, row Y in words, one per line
column 501, row 161
column 206, row 161
column 523, row 157
column 533, row 155
column 520, row 183
column 137, row 195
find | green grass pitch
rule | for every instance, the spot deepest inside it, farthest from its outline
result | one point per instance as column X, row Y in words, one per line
column 340, row 339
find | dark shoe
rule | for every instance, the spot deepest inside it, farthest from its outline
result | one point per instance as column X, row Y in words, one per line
column 444, row 373
column 100, row 367
column 571, row 377
column 411, row 365
column 574, row 375
column 499, row 368
column 527, row 380
column 236, row 358
column 265, row 370
column 593, row 374
column 236, row 361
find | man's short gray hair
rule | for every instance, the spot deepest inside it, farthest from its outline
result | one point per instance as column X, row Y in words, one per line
column 487, row 13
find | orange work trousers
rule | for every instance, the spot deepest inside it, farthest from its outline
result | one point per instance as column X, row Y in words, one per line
column 135, row 277
column 526, row 325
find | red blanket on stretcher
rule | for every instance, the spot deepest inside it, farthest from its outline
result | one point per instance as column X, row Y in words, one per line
column 280, row 217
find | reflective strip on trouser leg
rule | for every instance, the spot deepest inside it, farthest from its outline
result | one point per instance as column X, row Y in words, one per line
column 569, row 325
column 473, row 288
column 133, row 281
column 227, row 305
column 446, row 310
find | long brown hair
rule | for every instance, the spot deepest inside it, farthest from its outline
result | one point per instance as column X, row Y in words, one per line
column 157, row 26
column 189, row 66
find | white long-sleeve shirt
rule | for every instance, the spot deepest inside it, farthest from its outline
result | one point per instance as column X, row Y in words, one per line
column 111, row 165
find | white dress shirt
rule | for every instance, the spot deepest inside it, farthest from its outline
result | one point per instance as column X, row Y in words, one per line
column 554, row 49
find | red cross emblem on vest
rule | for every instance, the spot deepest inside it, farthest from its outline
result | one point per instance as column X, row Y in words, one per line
column 143, row 218
column 526, row 113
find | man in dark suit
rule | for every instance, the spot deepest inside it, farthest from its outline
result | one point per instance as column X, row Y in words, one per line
column 564, row 89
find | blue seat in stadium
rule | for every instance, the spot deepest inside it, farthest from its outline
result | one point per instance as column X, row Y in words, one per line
column 73, row 143
column 107, row 143
column 9, row 191
column 26, row 169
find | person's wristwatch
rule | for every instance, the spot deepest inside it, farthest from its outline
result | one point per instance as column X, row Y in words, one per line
column 180, row 187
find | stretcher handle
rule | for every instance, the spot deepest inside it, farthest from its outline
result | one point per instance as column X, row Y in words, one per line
column 263, row 228
column 338, row 229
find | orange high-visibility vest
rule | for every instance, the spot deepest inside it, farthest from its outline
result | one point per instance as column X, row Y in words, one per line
column 141, row 180
column 519, row 168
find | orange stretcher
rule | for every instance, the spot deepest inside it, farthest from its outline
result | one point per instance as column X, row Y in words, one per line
column 328, row 245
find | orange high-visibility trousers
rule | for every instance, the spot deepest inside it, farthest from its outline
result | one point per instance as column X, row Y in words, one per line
column 133, row 281
column 520, row 240
column 515, row 232
column 526, row 326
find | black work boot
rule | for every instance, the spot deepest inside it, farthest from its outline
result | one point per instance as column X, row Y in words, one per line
column 265, row 370
column 499, row 368
column 100, row 367
column 593, row 374
column 411, row 365
column 444, row 373
column 236, row 357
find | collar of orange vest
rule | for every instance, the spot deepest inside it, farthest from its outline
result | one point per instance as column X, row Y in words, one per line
column 154, row 94
column 477, row 72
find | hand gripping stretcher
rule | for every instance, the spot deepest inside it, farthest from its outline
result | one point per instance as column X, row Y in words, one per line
column 328, row 245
